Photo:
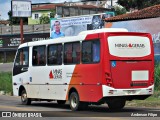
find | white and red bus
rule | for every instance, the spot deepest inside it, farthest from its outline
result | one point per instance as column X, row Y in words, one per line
column 96, row 67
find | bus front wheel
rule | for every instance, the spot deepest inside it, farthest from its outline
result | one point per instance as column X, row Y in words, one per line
column 24, row 99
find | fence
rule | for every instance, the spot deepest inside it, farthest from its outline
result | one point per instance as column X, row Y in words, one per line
column 15, row 29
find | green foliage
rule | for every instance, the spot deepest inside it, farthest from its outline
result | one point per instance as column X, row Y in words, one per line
column 6, row 82
column 16, row 20
column 139, row 4
column 52, row 14
column 119, row 10
column 44, row 19
column 157, row 76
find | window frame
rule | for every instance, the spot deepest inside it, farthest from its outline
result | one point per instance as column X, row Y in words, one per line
column 36, row 16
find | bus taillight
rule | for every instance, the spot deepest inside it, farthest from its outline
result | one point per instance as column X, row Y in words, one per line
column 108, row 79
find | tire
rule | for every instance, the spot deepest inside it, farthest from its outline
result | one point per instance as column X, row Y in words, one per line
column 74, row 101
column 24, row 99
column 61, row 102
column 116, row 104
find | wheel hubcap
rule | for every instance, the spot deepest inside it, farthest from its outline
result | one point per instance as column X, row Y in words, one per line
column 24, row 97
column 74, row 102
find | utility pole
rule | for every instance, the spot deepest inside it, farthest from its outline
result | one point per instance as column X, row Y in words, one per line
column 21, row 29
column 111, row 3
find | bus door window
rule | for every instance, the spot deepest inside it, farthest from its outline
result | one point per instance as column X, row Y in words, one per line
column 90, row 51
column 96, row 51
column 21, row 61
column 39, row 56
column 22, row 57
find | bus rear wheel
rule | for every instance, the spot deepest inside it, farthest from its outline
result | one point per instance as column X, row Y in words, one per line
column 75, row 104
column 74, row 101
column 24, row 99
column 116, row 104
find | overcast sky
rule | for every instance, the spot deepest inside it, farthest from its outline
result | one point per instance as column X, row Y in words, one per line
column 5, row 5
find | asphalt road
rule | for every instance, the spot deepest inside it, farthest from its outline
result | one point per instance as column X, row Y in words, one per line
column 6, row 67
column 13, row 105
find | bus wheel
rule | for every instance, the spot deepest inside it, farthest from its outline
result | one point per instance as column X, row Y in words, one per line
column 74, row 101
column 24, row 99
column 61, row 102
column 116, row 104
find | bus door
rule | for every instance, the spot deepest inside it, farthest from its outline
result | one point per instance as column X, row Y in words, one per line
column 131, row 61
column 20, row 69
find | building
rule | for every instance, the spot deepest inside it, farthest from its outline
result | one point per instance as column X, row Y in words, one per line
column 65, row 10
column 76, row 10
column 4, row 22
column 41, row 9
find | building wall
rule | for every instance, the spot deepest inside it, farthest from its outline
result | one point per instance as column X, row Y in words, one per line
column 10, row 43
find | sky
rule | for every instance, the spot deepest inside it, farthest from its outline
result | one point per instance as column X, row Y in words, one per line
column 5, row 5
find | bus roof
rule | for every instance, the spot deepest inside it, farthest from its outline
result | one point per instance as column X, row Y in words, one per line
column 80, row 36
column 103, row 30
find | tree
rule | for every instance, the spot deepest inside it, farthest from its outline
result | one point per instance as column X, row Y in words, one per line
column 16, row 20
column 139, row 4
column 44, row 19
column 52, row 14
column 119, row 10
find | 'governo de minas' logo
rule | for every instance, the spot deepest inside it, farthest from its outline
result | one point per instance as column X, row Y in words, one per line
column 55, row 74
column 130, row 46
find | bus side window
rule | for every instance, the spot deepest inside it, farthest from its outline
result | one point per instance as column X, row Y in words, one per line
column 68, row 53
column 72, row 53
column 39, row 56
column 86, row 52
column 76, row 53
column 59, row 54
column 55, row 54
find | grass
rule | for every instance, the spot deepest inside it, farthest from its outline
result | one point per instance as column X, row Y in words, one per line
column 6, row 82
column 152, row 101
column 157, row 76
